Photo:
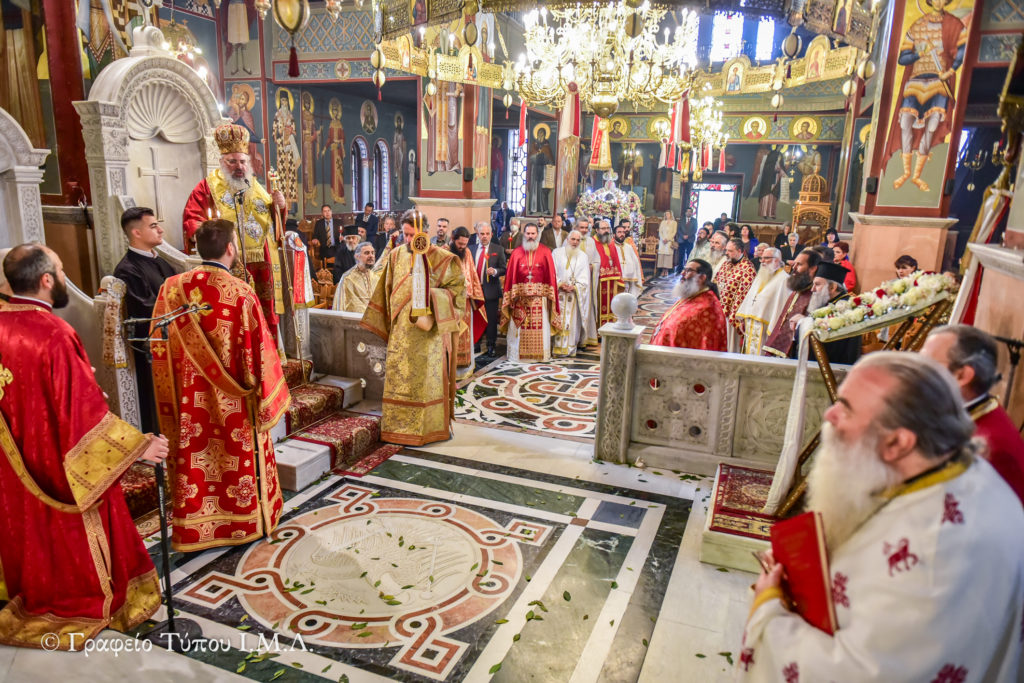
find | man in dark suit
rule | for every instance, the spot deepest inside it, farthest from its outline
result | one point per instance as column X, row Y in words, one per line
column 368, row 221
column 345, row 256
column 722, row 221
column 554, row 233
column 685, row 234
column 504, row 216
column 489, row 259
column 326, row 234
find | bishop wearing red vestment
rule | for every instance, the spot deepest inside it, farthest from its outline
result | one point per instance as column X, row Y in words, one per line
column 529, row 307
column 696, row 321
column 219, row 390
column 71, row 560
column 218, row 196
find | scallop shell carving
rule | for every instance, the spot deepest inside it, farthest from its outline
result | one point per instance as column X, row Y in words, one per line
column 158, row 109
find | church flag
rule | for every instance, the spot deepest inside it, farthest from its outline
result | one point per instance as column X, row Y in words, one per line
column 522, row 122
column 569, row 122
column 721, row 159
column 684, row 118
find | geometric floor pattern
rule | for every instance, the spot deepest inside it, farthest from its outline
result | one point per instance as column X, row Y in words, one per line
column 557, row 398
column 437, row 568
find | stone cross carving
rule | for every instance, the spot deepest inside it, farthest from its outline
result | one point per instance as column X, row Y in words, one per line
column 156, row 172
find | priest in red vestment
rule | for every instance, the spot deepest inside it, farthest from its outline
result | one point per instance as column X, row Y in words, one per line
column 71, row 560
column 217, row 196
column 800, row 283
column 696, row 320
column 219, row 390
column 971, row 356
column 606, row 275
column 734, row 278
column 529, row 307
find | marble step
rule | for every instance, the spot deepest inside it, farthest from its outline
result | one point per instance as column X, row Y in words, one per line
column 300, row 463
column 298, row 418
column 342, row 439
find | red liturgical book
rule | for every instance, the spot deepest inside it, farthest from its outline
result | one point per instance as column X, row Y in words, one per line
column 799, row 544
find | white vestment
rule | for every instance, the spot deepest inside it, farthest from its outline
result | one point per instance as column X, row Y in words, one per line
column 632, row 273
column 575, row 305
column 761, row 308
column 930, row 588
column 589, row 246
column 666, row 244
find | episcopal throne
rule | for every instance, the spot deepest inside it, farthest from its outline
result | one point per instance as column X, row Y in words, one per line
column 814, row 204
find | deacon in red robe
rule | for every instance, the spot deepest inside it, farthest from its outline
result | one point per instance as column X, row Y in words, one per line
column 607, row 276
column 71, row 560
column 696, row 320
column 220, row 390
column 219, row 195
column 529, row 307
column 971, row 355
column 734, row 278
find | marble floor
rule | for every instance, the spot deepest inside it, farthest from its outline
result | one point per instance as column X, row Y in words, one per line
column 525, row 520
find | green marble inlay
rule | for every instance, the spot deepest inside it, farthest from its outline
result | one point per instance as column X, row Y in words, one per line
column 481, row 487
column 554, row 643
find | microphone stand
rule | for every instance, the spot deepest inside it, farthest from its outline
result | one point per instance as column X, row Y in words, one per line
column 239, row 198
column 186, row 630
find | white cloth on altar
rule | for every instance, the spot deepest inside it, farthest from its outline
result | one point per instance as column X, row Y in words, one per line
column 632, row 273
column 575, row 306
column 512, row 340
column 930, row 588
column 761, row 308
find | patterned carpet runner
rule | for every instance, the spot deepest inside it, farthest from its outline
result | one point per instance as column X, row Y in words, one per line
column 296, row 373
column 350, row 436
column 742, row 493
column 312, row 403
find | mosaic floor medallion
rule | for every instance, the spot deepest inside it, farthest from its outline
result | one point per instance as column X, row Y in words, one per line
column 432, row 568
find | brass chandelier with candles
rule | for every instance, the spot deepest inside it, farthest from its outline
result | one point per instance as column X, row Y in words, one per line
column 613, row 52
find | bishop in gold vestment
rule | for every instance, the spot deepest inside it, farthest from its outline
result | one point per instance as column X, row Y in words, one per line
column 419, row 384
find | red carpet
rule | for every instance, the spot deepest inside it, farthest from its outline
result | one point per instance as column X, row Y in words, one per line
column 296, row 374
column 741, row 496
column 366, row 465
column 312, row 403
column 349, row 436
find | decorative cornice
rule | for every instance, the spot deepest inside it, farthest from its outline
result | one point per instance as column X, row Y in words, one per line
column 902, row 221
column 1001, row 259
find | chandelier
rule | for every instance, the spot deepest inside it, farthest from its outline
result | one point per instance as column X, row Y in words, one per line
column 612, row 52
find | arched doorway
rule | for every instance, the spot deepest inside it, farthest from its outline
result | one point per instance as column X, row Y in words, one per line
column 381, row 177
column 360, row 155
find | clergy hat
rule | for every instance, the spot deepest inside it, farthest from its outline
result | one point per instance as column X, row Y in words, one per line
column 231, row 138
column 350, row 231
column 831, row 271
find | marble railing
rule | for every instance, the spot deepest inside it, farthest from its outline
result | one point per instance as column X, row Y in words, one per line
column 689, row 410
column 339, row 346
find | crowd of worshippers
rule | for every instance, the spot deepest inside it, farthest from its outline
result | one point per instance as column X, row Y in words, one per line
column 919, row 478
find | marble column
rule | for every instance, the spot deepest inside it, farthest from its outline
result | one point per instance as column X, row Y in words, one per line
column 615, row 397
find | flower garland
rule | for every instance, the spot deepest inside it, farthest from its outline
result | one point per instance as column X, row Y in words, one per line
column 613, row 203
column 904, row 292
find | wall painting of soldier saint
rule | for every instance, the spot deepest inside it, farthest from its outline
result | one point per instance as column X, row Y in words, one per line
column 244, row 110
column 336, row 151
column 933, row 42
column 286, row 144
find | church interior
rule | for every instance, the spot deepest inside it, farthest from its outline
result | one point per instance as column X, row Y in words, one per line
column 591, row 516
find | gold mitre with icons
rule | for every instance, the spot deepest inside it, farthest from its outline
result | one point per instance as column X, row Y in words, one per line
column 231, row 138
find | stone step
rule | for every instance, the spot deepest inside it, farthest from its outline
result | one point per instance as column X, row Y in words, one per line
column 300, row 463
column 353, row 388
column 353, row 393
column 312, row 403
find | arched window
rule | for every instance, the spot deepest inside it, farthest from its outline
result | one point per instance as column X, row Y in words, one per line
column 726, row 36
column 381, row 177
column 765, row 39
column 360, row 174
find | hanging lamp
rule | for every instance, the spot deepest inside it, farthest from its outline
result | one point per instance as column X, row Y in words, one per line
column 292, row 16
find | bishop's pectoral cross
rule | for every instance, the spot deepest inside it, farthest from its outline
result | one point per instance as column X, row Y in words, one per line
column 155, row 173
column 529, row 274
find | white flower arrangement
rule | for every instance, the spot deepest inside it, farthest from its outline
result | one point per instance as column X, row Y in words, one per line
column 904, row 292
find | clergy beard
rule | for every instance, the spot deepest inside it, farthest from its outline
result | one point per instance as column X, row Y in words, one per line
column 686, row 289
column 235, row 184
column 818, row 299
column 717, row 255
column 620, row 241
column 570, row 252
column 530, row 245
column 461, row 253
column 845, row 481
column 348, row 247
column 771, row 270
column 59, row 294
column 604, row 237
column 799, row 282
